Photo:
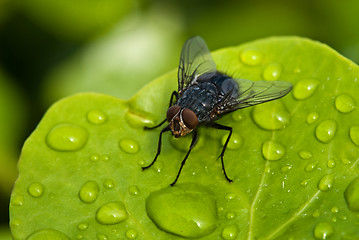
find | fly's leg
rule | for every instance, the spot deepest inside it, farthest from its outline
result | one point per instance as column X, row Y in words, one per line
column 158, row 147
column 193, row 143
column 221, row 127
column 173, row 95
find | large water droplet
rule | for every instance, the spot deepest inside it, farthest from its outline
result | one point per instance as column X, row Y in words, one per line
column 111, row 213
column 273, row 150
column 271, row 116
column 188, row 210
column 272, row 72
column 48, row 234
column 96, row 117
column 234, row 142
column 305, row 88
column 251, row 57
column 312, row 117
column 344, row 103
column 89, row 192
column 326, row 183
column 323, row 230
column 351, row 195
column 131, row 234
column 326, row 130
column 129, row 146
column 230, row 232
column 67, row 137
column 354, row 134
column 36, row 189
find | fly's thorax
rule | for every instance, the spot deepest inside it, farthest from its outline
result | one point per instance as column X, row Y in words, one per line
column 181, row 120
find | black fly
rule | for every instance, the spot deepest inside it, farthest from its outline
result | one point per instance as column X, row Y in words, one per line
column 204, row 94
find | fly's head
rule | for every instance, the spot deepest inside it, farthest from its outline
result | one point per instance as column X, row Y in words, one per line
column 182, row 121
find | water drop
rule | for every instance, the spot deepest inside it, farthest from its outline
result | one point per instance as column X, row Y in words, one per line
column 17, row 200
column 305, row 154
column 237, row 116
column 344, row 103
column 323, row 230
column 230, row 215
column 311, row 166
column 331, row 163
column 345, row 161
column 102, row 236
column 316, row 214
column 109, row 184
column 234, row 142
column 67, row 137
column 354, row 134
column 271, row 116
column 129, row 146
column 326, row 183
column 334, row 219
column 80, row 236
column 48, row 234
column 83, row 226
column 96, row 117
column 36, row 189
column 351, row 195
column 134, row 191
column 326, row 130
column 272, row 72
column 286, row 168
column 305, row 88
column 15, row 222
column 230, row 196
column 273, row 150
column 105, row 158
column 251, row 57
column 94, row 157
column 89, row 192
column 111, row 213
column 138, row 119
column 312, row 117
column 188, row 210
column 305, row 182
column 334, row 209
column 230, row 232
column 131, row 234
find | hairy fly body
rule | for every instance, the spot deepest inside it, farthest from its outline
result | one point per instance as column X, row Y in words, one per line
column 204, row 95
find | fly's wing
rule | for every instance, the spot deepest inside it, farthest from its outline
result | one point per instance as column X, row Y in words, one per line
column 252, row 93
column 195, row 61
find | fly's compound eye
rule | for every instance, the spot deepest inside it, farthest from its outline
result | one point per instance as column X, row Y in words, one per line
column 189, row 118
column 172, row 111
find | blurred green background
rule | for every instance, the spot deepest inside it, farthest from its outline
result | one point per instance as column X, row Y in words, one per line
column 52, row 49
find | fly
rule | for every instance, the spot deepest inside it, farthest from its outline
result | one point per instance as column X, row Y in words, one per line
column 205, row 94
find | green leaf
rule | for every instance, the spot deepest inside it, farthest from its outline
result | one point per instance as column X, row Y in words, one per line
column 294, row 161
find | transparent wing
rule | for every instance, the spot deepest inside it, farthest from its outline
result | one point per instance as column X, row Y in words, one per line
column 252, row 93
column 195, row 61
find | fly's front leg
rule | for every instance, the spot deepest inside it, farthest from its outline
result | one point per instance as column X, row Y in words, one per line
column 221, row 127
column 158, row 147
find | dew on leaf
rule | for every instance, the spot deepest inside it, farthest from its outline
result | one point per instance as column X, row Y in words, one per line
column 234, row 142
column 105, row 158
column 286, row 168
column 102, row 236
column 354, row 134
column 305, row 88
column 89, row 192
column 36, row 189
column 323, row 230
column 109, row 184
column 131, row 234
column 305, row 182
column 80, row 236
column 133, row 189
column 230, row 215
column 326, row 130
column 331, row 163
column 345, row 160
column 83, row 226
column 312, row 117
column 305, row 154
column 129, row 146
column 237, row 116
column 272, row 72
column 334, row 209
column 230, row 196
column 17, row 200
column 48, row 234
column 230, row 232
column 96, row 117
column 67, row 137
column 311, row 166
column 273, row 150
column 111, row 213
column 351, row 195
column 344, row 103
column 271, row 116
column 15, row 222
column 137, row 119
column 316, row 214
column 94, row 157
column 251, row 57
column 188, row 210
column 326, row 183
